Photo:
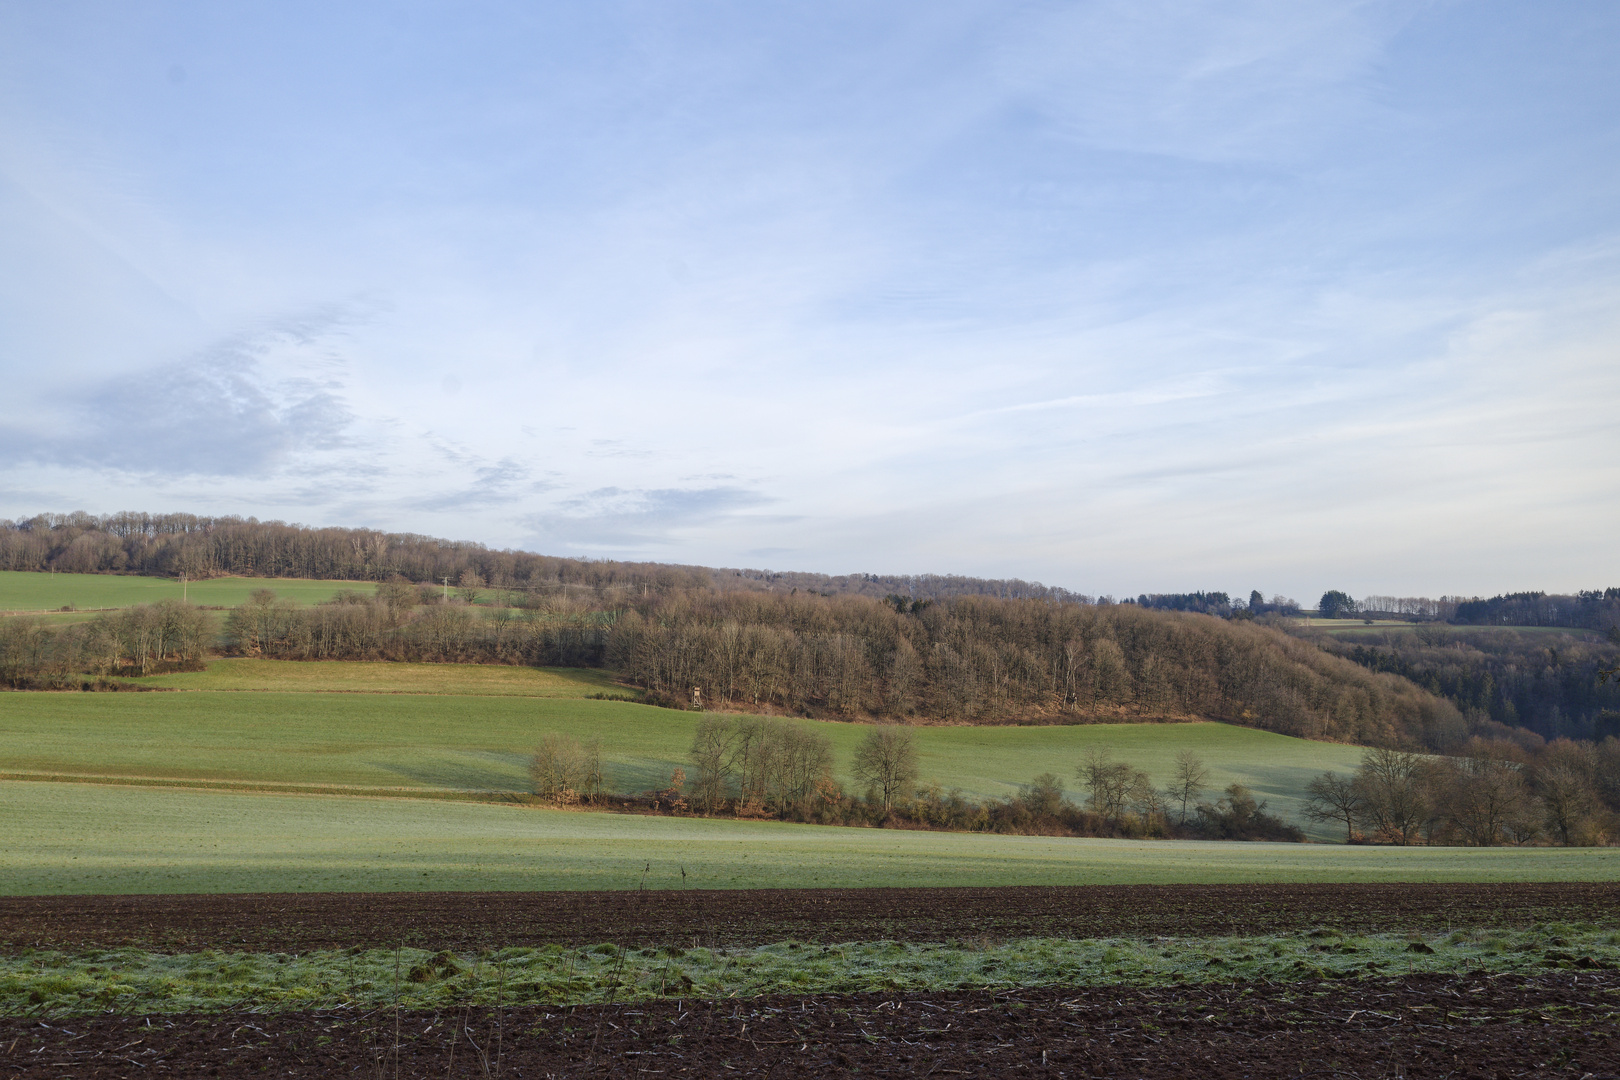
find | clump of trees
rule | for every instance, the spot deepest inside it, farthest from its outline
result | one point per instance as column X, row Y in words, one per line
column 565, row 770
column 1495, row 792
column 759, row 765
column 141, row 640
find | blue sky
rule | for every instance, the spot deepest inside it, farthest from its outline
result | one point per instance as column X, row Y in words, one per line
column 1118, row 296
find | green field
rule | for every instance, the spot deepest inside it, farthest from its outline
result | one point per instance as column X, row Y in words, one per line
column 75, row 838
column 377, row 677
column 28, row 591
column 482, row 743
column 458, row 736
column 1380, row 627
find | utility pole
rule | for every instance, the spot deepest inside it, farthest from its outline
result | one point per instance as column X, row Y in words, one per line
column 447, row 590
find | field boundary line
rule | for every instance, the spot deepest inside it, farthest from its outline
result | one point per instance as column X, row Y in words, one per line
column 267, row 787
column 377, row 693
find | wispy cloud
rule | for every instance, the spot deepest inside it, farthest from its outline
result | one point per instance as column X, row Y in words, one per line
column 243, row 407
column 503, row 483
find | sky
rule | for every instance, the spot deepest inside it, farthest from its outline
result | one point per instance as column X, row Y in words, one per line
column 1125, row 297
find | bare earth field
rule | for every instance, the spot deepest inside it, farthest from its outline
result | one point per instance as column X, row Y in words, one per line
column 293, row 922
column 1417, row 1026
column 1473, row 1024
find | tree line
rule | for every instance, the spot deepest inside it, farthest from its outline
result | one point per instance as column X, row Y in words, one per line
column 1496, row 791
column 141, row 640
column 1588, row 609
column 1221, row 604
column 754, row 766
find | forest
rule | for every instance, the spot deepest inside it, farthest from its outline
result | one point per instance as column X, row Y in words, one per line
column 1541, row 688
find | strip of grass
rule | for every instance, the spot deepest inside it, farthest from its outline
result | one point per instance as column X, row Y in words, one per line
column 1357, row 628
column 78, row 838
column 461, row 743
column 56, row 984
column 22, row 590
column 368, row 677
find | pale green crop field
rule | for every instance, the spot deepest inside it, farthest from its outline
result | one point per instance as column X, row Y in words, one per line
column 381, row 677
column 1379, row 628
column 29, row 591
column 75, row 838
column 483, row 743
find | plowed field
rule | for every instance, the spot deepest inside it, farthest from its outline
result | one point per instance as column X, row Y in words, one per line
column 296, row 922
column 1563, row 1025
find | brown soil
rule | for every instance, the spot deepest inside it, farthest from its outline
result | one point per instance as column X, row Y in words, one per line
column 1420, row 1026
column 298, row 922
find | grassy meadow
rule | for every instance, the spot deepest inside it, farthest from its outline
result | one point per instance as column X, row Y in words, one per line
column 80, row 838
column 1378, row 628
column 369, row 677
column 29, row 591
column 473, row 728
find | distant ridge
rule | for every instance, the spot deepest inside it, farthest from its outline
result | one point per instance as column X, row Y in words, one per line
column 168, row 545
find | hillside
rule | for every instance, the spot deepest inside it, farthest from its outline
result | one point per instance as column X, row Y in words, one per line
column 171, row 545
column 968, row 660
column 926, row 648
column 431, row 729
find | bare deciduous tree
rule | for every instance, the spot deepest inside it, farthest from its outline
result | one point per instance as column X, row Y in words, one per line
column 564, row 769
column 1109, row 783
column 887, row 760
column 1189, row 780
column 1391, row 784
column 713, row 753
column 1331, row 797
column 1565, row 778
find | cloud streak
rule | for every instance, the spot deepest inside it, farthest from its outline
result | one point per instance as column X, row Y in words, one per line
column 242, row 408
